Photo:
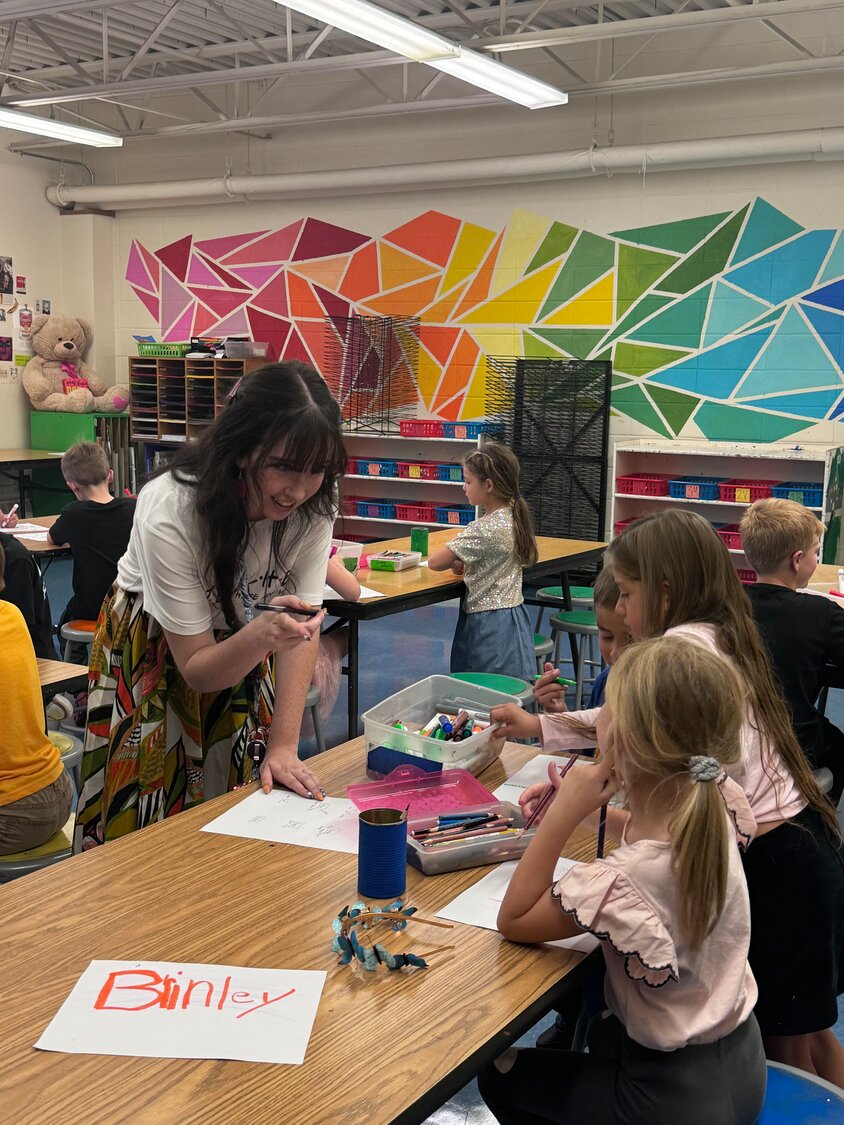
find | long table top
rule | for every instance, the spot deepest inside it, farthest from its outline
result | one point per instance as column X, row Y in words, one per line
column 51, row 673
column 382, row 1046
column 34, row 545
column 16, row 456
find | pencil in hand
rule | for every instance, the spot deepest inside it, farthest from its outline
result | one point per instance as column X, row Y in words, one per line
column 548, row 795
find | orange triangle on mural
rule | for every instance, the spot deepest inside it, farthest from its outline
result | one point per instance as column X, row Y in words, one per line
column 398, row 268
column 440, row 313
column 326, row 272
column 361, row 278
column 314, row 337
column 593, row 306
column 407, row 301
column 517, row 305
column 458, row 375
column 430, row 236
column 427, row 377
column 438, row 341
column 303, row 302
column 479, row 288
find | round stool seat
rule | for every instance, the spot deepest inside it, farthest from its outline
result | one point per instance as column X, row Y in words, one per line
column 581, row 596
column 79, row 630
column 510, row 685
column 70, row 749
column 796, row 1098
column 542, row 644
column 57, row 847
column 575, row 621
column 313, row 697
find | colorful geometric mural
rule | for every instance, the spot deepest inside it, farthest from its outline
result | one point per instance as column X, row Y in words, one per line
column 729, row 326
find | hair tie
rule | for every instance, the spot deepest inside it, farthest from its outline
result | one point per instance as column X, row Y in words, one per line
column 518, row 496
column 702, row 768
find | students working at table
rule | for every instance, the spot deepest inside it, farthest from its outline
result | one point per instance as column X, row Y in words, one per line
column 184, row 659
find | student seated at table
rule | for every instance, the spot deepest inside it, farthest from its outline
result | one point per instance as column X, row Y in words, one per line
column 802, row 634
column 35, row 791
column 96, row 526
column 24, row 588
column 678, row 1040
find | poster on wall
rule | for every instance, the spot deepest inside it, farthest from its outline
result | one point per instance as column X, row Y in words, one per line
column 20, row 283
column 7, row 275
column 5, row 349
column 47, row 307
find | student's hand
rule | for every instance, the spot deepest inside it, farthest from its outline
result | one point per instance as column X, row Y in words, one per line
column 550, row 695
column 9, row 520
column 586, row 788
column 287, row 769
column 458, row 566
column 515, row 722
column 281, row 632
column 530, row 797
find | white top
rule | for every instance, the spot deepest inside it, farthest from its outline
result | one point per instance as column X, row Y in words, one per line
column 165, row 561
column 667, row 995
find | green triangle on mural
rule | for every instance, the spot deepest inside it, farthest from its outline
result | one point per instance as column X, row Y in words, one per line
column 538, row 349
column 554, row 245
column 680, row 236
column 604, row 357
column 641, row 359
column 621, row 381
column 680, row 325
column 577, row 342
column 590, row 258
column 719, row 422
column 676, row 408
column 650, row 303
column 632, row 401
column 638, row 269
column 707, row 260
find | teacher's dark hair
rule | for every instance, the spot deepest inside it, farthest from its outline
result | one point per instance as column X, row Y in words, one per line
column 287, row 403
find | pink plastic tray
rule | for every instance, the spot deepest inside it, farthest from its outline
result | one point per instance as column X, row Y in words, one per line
column 425, row 793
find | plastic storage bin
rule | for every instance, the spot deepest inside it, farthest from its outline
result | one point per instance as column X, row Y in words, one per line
column 469, row 429
column 746, row 575
column 417, row 470
column 368, row 467
column 347, row 553
column 395, row 560
column 376, row 509
column 246, row 349
column 643, row 484
column 729, row 532
column 419, row 428
column 162, row 351
column 801, row 491
column 696, row 488
column 416, row 513
column 618, row 527
column 416, row 704
column 477, row 851
column 450, row 472
column 745, row 491
column 424, row 794
column 456, row 514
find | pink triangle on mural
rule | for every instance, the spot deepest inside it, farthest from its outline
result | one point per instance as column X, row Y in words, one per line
column 202, row 320
column 218, row 247
column 149, row 300
column 175, row 256
column 173, row 299
column 268, row 329
column 319, row 240
column 256, row 276
column 333, row 305
column 234, row 325
column 220, row 301
column 224, row 275
column 200, row 274
column 273, row 298
column 153, row 265
column 275, row 247
column 136, row 271
column 181, row 329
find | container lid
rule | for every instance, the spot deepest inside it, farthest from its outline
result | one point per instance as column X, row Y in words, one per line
column 423, row 793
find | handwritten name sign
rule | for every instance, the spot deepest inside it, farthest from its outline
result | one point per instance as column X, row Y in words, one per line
column 164, row 1009
column 285, row 818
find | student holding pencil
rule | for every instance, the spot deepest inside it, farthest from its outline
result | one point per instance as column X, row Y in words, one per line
column 184, row 666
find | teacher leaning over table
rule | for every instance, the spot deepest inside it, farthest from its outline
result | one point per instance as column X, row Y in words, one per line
column 184, row 668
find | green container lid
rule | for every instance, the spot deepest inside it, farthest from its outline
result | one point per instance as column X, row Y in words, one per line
column 508, row 684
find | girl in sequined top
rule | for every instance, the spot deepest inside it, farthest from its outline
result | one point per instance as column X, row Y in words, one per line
column 494, row 632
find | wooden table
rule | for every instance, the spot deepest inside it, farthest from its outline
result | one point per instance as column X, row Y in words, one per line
column 825, row 579
column 56, row 674
column 33, row 545
column 411, row 589
column 383, row 1049
column 15, row 462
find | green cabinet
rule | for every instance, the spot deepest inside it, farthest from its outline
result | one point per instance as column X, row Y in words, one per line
column 57, row 431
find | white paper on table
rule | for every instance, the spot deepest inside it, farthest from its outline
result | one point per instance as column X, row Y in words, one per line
column 21, row 528
column 39, row 536
column 479, row 905
column 534, row 771
column 365, row 592
column 283, row 817
column 177, row 1010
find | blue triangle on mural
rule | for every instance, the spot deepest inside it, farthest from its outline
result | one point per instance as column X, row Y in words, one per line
column 830, row 327
column 765, row 227
column 717, row 372
column 831, row 295
column 729, row 311
column 813, row 404
column 793, row 361
column 835, row 262
column 787, row 271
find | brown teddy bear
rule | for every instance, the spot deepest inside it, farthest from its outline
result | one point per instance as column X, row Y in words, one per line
column 57, row 379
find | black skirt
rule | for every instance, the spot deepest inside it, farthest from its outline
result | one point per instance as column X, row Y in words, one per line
column 795, row 879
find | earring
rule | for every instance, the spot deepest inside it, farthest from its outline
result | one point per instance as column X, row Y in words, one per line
column 240, row 484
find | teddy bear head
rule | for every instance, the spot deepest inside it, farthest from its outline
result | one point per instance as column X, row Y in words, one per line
column 60, row 339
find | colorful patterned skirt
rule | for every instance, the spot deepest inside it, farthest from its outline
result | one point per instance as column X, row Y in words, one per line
column 153, row 745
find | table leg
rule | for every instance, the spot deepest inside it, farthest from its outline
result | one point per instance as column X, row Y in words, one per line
column 567, row 606
column 21, row 492
column 352, row 662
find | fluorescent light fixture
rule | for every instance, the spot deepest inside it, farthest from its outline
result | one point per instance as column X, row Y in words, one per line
column 404, row 37
column 59, row 130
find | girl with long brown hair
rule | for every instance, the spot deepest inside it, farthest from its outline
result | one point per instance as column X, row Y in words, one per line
column 494, row 632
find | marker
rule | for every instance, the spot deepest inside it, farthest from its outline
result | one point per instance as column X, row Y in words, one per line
column 11, row 512
column 311, row 611
column 559, row 680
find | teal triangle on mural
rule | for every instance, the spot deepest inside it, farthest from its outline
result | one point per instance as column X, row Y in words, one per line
column 638, row 269
column 835, row 262
column 648, row 305
column 786, row 271
column 577, row 342
column 707, row 261
column 812, row 404
column 773, row 317
column 793, row 361
column 830, row 327
column 675, row 408
column 555, row 243
column 680, row 236
column 590, row 258
column 632, row 401
column 766, row 227
column 729, row 310
column 679, row 325
column 719, row 422
column 716, row 372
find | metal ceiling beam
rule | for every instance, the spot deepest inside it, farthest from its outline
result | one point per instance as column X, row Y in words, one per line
column 142, row 51
column 25, row 9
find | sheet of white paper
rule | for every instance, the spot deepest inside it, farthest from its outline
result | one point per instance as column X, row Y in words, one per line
column 285, row 818
column 39, row 536
column 365, row 592
column 21, row 527
column 479, row 905
column 177, row 1010
column 534, row 771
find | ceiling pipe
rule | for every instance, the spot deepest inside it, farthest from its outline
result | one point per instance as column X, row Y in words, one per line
column 673, row 156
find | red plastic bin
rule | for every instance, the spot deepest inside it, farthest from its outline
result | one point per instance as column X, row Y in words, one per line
column 418, row 470
column 746, row 491
column 747, row 576
column 729, row 533
column 421, row 513
column 620, row 526
column 643, row 484
column 418, row 428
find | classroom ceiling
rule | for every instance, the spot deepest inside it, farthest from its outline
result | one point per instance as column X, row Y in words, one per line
column 164, row 67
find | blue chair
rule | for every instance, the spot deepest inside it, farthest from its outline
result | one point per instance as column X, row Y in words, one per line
column 796, row 1098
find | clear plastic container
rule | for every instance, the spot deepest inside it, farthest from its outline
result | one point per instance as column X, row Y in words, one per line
column 423, row 794
column 246, row 349
column 395, row 560
column 415, row 706
column 347, row 553
column 476, row 851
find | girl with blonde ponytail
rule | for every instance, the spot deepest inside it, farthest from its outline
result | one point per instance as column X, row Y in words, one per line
column 679, row 1041
column 494, row 632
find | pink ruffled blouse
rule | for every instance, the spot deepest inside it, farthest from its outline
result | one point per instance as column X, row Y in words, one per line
column 772, row 792
column 666, row 995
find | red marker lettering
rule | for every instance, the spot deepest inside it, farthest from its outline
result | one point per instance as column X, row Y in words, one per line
column 266, row 1003
column 152, row 979
column 246, row 998
column 209, row 995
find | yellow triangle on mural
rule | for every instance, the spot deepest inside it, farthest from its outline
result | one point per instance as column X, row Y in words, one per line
column 517, row 305
column 398, row 268
column 428, row 377
column 524, row 233
column 440, row 313
column 475, row 404
column 594, row 306
column 469, row 252
column 499, row 341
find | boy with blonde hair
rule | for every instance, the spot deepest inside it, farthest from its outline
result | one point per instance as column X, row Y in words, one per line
column 802, row 634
